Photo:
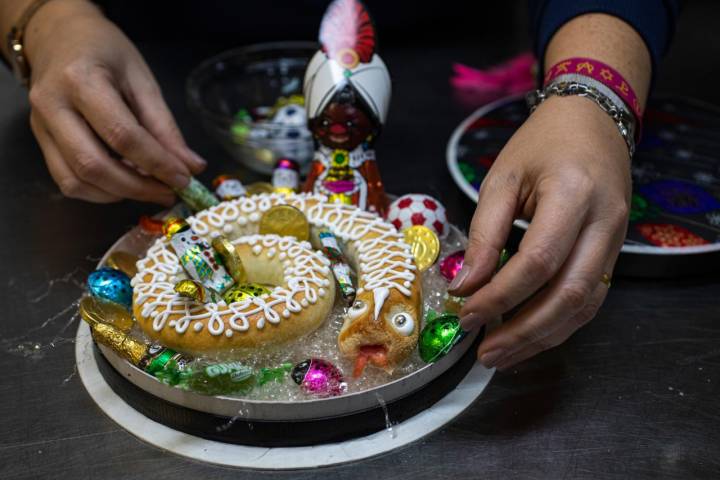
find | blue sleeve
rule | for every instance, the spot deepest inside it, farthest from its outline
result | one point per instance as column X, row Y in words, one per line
column 654, row 20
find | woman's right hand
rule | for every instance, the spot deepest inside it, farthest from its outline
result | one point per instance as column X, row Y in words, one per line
column 98, row 113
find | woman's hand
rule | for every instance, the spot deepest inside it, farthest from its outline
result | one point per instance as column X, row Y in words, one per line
column 97, row 112
column 567, row 169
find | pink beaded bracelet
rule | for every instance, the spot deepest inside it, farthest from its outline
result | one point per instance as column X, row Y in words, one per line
column 602, row 73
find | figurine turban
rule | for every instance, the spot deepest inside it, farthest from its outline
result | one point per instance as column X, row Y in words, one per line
column 347, row 57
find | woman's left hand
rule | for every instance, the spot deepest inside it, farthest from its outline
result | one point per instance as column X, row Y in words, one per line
column 567, row 169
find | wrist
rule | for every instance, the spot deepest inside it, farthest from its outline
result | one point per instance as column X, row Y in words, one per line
column 44, row 26
column 585, row 122
column 614, row 109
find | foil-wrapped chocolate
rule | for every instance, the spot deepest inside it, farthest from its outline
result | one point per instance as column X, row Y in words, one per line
column 195, row 290
column 341, row 269
column 230, row 258
column 286, row 176
column 196, row 196
column 228, row 187
column 239, row 293
column 197, row 257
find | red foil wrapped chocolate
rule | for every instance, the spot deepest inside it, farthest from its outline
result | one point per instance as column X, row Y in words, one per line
column 451, row 265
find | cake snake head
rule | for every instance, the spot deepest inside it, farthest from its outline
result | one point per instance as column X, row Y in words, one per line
column 381, row 328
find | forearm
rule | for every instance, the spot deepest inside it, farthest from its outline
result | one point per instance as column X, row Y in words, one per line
column 607, row 39
column 39, row 25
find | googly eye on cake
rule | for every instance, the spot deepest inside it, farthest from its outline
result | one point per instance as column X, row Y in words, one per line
column 287, row 290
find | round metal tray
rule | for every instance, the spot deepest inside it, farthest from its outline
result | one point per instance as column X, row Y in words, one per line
column 277, row 411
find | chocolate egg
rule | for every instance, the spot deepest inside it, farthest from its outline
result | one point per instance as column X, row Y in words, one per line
column 440, row 334
column 451, row 265
column 319, row 377
column 418, row 209
column 112, row 285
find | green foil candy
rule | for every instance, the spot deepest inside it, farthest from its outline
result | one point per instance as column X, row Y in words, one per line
column 277, row 374
column 196, row 196
column 221, row 378
column 440, row 334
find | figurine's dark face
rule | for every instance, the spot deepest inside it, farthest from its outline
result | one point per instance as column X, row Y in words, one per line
column 342, row 125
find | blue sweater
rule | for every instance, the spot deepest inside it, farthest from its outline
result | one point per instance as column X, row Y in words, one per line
column 654, row 20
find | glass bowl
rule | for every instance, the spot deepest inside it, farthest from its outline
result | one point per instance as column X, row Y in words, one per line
column 249, row 100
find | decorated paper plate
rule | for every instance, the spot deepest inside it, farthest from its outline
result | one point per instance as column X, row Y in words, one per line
column 675, row 218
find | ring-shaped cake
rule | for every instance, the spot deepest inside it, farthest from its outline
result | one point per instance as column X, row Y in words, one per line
column 385, row 314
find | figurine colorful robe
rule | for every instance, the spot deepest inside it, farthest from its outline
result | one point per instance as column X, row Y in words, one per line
column 347, row 92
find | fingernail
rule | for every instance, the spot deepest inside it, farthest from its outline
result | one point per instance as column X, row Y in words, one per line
column 491, row 358
column 197, row 160
column 180, row 181
column 470, row 321
column 459, row 278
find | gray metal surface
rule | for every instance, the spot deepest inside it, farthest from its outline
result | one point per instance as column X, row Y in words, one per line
column 634, row 394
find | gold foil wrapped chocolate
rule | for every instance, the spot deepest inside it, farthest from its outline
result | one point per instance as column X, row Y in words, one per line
column 98, row 311
column 424, row 244
column 195, row 291
column 231, row 260
column 123, row 261
column 132, row 350
column 285, row 220
column 259, row 187
column 174, row 225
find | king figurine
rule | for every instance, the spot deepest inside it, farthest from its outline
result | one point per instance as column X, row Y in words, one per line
column 347, row 92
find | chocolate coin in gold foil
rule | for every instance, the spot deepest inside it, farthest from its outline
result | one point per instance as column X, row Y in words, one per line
column 230, row 258
column 285, row 220
column 424, row 244
column 258, row 188
column 123, row 261
column 96, row 310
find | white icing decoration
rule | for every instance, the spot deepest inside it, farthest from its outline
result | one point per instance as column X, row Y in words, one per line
column 228, row 333
column 380, row 294
column 383, row 260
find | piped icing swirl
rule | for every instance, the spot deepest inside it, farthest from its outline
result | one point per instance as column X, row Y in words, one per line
column 374, row 247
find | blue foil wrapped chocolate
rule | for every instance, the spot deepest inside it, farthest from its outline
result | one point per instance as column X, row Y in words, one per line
column 110, row 284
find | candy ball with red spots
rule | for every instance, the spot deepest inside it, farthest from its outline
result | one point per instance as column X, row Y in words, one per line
column 418, row 209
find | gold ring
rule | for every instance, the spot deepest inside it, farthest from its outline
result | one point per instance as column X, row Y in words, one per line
column 606, row 280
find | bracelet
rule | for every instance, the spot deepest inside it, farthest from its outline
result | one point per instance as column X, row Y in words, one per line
column 16, row 43
column 602, row 73
column 600, row 87
column 623, row 120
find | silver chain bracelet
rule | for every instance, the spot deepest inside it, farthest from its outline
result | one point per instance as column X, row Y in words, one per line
column 624, row 121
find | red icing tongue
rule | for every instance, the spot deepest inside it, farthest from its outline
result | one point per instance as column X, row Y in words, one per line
column 376, row 354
